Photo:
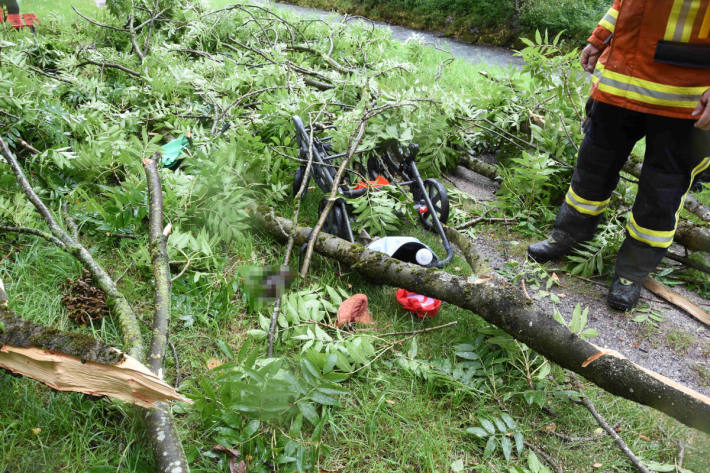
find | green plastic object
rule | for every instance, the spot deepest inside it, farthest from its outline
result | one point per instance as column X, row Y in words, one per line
column 171, row 151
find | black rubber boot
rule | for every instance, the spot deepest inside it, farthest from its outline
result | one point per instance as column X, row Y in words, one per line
column 634, row 263
column 558, row 245
column 623, row 294
column 571, row 228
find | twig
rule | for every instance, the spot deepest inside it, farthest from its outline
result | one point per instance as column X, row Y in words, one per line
column 417, row 332
column 97, row 23
column 176, row 360
column 3, row 296
column 544, row 455
column 476, row 221
column 69, row 221
column 134, row 41
column 291, row 237
column 111, row 65
column 33, row 231
column 592, row 438
column 525, row 290
column 609, row 430
column 681, row 449
column 240, row 100
column 184, row 268
column 47, row 74
column 28, row 146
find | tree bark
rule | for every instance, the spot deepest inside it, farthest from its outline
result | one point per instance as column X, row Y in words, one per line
column 170, row 455
column 505, row 306
column 68, row 361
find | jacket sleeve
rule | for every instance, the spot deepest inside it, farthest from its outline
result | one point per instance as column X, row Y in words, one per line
column 601, row 34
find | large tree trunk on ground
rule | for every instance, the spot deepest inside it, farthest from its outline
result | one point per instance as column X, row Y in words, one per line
column 69, row 361
column 505, row 306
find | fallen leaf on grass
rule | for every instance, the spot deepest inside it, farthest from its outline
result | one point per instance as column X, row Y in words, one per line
column 233, row 454
column 551, row 427
column 597, row 465
column 643, row 437
column 390, row 402
column 213, row 363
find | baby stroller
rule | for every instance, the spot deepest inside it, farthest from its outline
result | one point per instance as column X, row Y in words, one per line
column 387, row 164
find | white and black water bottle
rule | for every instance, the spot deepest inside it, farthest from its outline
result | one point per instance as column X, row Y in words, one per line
column 407, row 249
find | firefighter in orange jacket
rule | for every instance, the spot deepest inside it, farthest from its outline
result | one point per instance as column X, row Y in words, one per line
column 650, row 61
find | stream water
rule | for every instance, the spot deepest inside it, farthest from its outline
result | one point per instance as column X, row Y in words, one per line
column 469, row 52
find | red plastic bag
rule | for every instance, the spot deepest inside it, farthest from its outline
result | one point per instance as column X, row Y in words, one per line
column 423, row 306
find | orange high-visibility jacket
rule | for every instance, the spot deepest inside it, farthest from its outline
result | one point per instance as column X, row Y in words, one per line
column 656, row 56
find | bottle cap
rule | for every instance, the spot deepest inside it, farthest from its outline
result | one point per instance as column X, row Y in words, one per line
column 424, row 257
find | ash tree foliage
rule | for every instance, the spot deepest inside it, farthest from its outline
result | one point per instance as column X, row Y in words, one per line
column 81, row 107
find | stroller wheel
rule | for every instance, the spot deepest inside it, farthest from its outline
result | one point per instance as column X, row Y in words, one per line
column 297, row 181
column 335, row 221
column 440, row 203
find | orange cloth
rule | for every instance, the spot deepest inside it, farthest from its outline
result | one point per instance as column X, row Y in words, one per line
column 379, row 182
column 630, row 73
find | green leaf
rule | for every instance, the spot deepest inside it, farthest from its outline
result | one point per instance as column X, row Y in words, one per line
column 519, row 442
column 509, row 421
column 309, row 412
column 533, row 462
column 488, row 425
column 575, row 326
column 225, row 349
column 490, row 447
column 500, row 425
column 507, row 447
column 477, row 431
column 323, row 399
column 558, row 317
column 589, row 333
column 457, row 466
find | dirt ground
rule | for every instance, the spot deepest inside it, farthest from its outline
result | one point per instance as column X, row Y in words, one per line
column 677, row 347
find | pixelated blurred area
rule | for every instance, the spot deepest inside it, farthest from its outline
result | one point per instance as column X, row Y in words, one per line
column 266, row 283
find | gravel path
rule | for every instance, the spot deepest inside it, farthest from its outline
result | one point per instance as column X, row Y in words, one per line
column 679, row 347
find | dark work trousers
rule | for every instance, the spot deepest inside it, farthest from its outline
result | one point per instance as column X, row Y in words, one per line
column 672, row 162
column 11, row 6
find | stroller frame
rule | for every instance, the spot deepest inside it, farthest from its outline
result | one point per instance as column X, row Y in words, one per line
column 388, row 160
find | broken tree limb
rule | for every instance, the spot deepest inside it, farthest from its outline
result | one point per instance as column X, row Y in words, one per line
column 504, row 306
column 68, row 361
column 127, row 318
column 677, row 300
column 479, row 167
column 693, row 237
column 169, row 454
column 465, row 244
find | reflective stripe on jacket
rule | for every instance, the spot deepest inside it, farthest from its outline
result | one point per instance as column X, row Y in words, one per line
column 656, row 56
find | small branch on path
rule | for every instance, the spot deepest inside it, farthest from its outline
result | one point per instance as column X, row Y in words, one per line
column 609, row 430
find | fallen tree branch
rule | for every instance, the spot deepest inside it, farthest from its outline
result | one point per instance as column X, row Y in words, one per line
column 32, row 231
column 693, row 237
column 504, row 306
column 688, row 262
column 479, row 167
column 68, row 361
column 608, row 429
column 465, row 244
column 127, row 318
column 677, row 300
column 169, row 453
column 593, row 438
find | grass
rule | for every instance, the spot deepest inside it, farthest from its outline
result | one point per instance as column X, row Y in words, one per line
column 679, row 341
column 391, row 420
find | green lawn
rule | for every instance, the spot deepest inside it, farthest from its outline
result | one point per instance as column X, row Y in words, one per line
column 390, row 420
